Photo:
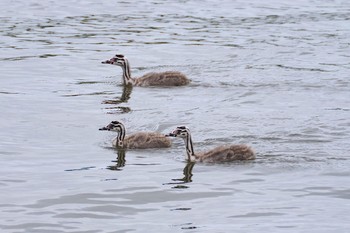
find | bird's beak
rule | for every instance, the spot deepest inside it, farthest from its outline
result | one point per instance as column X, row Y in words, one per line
column 110, row 61
column 170, row 135
column 104, row 128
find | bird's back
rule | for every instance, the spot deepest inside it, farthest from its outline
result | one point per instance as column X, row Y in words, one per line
column 145, row 140
column 227, row 153
column 168, row 78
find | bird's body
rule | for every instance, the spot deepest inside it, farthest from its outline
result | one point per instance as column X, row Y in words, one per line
column 140, row 140
column 167, row 78
column 143, row 140
column 226, row 153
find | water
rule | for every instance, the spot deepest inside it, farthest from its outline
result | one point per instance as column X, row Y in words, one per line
column 272, row 74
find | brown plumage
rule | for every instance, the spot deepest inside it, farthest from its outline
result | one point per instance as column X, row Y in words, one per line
column 144, row 140
column 226, row 154
column 167, row 78
column 219, row 154
column 141, row 140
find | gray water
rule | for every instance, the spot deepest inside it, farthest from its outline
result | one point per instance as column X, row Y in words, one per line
column 271, row 74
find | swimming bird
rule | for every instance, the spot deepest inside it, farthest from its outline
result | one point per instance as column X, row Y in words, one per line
column 140, row 140
column 167, row 78
column 225, row 153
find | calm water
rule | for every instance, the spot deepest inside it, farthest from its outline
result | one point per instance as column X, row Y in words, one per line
column 272, row 74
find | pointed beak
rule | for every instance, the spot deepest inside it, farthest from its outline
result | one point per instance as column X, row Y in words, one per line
column 104, row 128
column 110, row 61
column 170, row 135
column 107, row 62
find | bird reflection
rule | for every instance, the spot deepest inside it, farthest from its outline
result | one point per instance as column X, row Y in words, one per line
column 127, row 89
column 120, row 162
column 187, row 172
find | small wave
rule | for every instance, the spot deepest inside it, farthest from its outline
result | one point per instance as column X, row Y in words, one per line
column 302, row 68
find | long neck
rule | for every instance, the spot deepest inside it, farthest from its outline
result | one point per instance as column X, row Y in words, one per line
column 189, row 148
column 127, row 74
column 121, row 136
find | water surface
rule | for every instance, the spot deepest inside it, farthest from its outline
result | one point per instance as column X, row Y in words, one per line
column 272, row 74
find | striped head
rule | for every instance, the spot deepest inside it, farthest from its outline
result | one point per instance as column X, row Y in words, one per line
column 116, row 126
column 118, row 59
column 184, row 133
column 181, row 132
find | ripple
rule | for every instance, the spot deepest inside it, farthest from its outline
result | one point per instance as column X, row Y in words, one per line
column 20, row 58
column 324, row 191
column 86, row 94
column 10, row 93
column 255, row 215
column 80, row 169
column 302, row 68
column 338, row 109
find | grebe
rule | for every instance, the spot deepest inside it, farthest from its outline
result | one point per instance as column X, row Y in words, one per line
column 141, row 140
column 168, row 78
column 219, row 154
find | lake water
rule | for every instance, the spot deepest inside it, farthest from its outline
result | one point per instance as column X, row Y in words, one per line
column 271, row 74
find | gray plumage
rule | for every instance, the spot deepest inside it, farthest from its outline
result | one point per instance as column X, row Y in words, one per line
column 140, row 140
column 167, row 78
column 219, row 154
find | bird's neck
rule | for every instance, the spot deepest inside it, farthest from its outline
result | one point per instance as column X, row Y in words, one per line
column 189, row 149
column 120, row 137
column 128, row 80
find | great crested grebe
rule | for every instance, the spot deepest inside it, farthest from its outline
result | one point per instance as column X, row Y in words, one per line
column 225, row 153
column 167, row 78
column 141, row 140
